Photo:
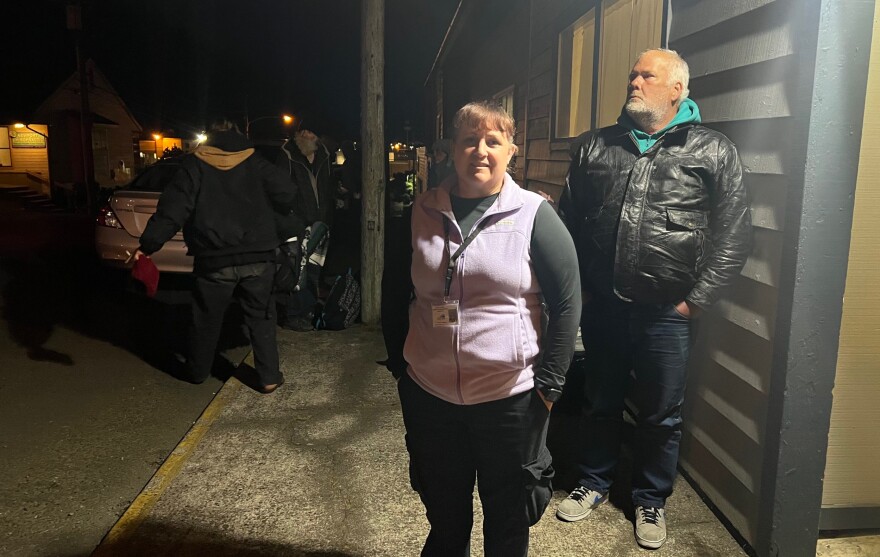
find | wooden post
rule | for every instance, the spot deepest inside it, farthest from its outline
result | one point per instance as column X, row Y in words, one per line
column 373, row 144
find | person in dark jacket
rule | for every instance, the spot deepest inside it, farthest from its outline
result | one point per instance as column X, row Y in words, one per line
column 225, row 199
column 658, row 211
column 441, row 163
column 307, row 162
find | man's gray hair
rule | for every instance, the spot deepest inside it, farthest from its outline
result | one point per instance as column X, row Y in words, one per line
column 678, row 69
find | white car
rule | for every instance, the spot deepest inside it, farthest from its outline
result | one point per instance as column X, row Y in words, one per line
column 122, row 220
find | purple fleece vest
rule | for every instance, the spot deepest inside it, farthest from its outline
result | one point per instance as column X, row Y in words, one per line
column 490, row 354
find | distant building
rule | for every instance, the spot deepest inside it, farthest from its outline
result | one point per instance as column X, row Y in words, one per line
column 115, row 131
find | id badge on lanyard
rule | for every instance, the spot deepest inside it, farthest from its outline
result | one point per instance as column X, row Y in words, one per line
column 447, row 314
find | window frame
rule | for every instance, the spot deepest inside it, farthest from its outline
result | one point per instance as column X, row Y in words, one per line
column 563, row 25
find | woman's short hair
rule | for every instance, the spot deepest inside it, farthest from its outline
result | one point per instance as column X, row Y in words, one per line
column 485, row 115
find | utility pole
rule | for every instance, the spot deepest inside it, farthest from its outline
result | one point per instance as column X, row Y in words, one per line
column 373, row 166
column 74, row 25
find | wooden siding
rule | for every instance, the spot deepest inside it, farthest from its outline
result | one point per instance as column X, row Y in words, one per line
column 741, row 57
column 852, row 477
column 547, row 159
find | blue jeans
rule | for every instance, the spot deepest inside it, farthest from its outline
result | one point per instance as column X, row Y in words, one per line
column 653, row 341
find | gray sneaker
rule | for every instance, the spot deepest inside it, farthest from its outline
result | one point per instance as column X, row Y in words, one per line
column 650, row 527
column 579, row 504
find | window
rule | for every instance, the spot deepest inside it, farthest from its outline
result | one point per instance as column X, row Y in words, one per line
column 574, row 90
column 100, row 150
column 626, row 28
column 505, row 99
column 5, row 151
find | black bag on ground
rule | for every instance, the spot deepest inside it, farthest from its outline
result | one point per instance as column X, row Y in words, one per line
column 343, row 305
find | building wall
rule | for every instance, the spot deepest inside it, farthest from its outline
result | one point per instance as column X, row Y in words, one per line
column 547, row 159
column 740, row 54
column 33, row 160
column 852, row 478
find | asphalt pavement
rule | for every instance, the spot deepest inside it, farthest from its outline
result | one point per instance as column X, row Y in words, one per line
column 86, row 414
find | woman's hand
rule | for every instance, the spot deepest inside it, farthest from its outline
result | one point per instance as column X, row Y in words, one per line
column 546, row 402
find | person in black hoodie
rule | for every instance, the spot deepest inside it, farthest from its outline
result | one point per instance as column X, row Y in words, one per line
column 225, row 199
column 307, row 162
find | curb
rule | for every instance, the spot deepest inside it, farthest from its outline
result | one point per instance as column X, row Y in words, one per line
column 140, row 508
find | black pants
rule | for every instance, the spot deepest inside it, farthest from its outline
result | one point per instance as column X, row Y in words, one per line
column 501, row 445
column 251, row 286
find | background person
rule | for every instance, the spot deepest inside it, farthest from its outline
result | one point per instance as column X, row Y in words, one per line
column 659, row 214
column 477, row 374
column 441, row 163
column 307, row 162
column 225, row 199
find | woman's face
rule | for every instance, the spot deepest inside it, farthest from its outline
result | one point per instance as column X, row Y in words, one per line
column 481, row 157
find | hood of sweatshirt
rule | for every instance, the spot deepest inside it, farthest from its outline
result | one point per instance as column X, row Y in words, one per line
column 225, row 150
column 688, row 113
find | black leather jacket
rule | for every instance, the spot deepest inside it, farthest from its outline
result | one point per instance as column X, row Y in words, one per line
column 677, row 227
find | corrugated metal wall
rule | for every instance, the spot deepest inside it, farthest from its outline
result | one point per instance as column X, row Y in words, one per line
column 740, row 54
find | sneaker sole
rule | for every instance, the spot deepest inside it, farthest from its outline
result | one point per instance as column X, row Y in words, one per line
column 649, row 544
column 562, row 515
column 572, row 517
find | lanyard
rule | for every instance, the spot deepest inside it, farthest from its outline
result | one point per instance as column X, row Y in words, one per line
column 453, row 259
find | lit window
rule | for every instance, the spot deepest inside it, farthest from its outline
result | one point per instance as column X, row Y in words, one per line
column 5, row 151
column 574, row 91
column 505, row 99
column 627, row 28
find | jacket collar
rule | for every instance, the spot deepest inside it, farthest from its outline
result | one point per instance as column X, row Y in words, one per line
column 509, row 199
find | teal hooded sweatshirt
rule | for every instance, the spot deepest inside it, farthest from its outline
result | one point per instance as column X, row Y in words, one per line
column 688, row 113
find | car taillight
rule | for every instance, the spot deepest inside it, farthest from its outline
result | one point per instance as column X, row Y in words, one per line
column 106, row 217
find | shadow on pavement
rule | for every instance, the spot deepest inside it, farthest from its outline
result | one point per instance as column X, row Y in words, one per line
column 159, row 540
column 50, row 276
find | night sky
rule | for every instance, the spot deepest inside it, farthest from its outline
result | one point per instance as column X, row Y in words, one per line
column 176, row 63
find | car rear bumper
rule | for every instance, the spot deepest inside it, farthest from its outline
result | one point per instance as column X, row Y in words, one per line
column 114, row 247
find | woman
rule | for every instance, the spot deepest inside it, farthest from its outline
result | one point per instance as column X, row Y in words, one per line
column 478, row 373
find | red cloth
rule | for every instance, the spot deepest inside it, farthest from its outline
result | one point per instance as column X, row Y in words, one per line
column 145, row 271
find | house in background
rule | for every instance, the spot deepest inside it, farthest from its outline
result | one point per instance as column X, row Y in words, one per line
column 794, row 83
column 24, row 158
column 114, row 135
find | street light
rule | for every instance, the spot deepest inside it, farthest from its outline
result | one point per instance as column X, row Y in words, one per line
column 286, row 118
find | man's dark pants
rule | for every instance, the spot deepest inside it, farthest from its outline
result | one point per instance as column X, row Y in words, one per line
column 501, row 444
column 251, row 286
column 653, row 341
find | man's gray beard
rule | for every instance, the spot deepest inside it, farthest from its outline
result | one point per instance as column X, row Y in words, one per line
column 644, row 115
column 306, row 146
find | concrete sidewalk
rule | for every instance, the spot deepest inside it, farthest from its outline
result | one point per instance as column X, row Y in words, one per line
column 319, row 468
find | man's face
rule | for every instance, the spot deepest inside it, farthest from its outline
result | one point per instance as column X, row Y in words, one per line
column 306, row 141
column 650, row 93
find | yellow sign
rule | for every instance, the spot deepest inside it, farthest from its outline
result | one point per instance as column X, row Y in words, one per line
column 27, row 140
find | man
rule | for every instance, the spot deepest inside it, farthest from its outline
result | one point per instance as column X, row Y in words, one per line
column 307, row 162
column 224, row 198
column 659, row 215
column 441, row 164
